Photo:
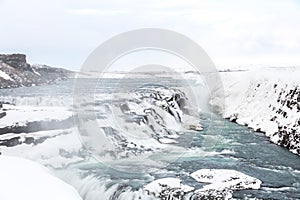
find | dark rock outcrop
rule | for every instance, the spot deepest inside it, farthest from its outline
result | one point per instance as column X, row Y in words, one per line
column 16, row 72
column 17, row 61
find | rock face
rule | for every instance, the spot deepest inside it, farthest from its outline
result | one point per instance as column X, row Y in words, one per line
column 17, row 61
column 16, row 72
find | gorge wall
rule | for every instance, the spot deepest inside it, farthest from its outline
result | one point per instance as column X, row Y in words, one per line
column 266, row 100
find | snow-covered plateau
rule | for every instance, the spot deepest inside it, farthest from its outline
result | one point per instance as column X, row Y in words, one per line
column 267, row 100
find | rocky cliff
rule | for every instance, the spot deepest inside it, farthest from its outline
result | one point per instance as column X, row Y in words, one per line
column 16, row 72
column 267, row 101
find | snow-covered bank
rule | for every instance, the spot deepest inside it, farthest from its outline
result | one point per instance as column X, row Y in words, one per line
column 17, row 120
column 38, row 101
column 55, row 148
column 24, row 179
column 22, row 115
column 266, row 100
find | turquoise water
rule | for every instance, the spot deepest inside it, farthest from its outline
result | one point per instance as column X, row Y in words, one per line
column 238, row 148
column 251, row 153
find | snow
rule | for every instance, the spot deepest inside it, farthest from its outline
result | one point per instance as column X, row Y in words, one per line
column 5, row 76
column 50, row 152
column 158, row 186
column 24, row 179
column 266, row 100
column 167, row 141
column 38, row 101
column 222, row 183
column 21, row 115
column 221, row 179
column 35, row 70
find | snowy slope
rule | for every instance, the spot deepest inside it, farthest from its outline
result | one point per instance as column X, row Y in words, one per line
column 266, row 100
column 24, row 179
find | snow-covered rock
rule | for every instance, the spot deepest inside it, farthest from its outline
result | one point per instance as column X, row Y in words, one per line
column 212, row 194
column 266, row 100
column 168, row 188
column 5, row 76
column 22, row 115
column 18, row 120
column 24, row 179
column 55, row 148
column 222, row 183
column 221, row 179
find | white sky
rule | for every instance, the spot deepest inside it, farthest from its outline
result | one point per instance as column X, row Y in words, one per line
column 232, row 32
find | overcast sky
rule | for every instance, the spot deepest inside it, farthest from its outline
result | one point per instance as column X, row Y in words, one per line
column 232, row 32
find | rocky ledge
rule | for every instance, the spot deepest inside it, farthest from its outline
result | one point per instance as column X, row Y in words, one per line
column 16, row 72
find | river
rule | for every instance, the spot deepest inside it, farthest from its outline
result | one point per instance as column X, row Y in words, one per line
column 235, row 147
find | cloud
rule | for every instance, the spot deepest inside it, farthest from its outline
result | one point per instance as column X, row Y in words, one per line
column 233, row 32
column 97, row 12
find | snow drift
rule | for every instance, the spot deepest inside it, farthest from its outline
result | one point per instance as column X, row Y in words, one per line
column 24, row 179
